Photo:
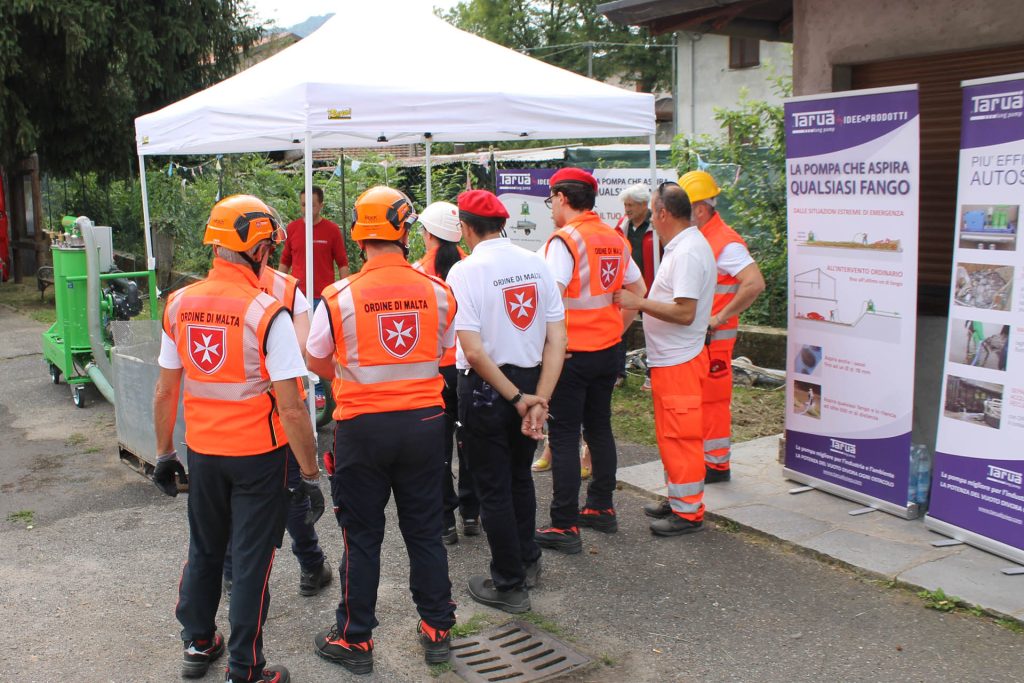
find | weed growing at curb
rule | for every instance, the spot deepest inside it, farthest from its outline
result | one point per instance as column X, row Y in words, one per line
column 441, row 669
column 476, row 623
column 21, row 517
column 1011, row 625
column 543, row 623
column 938, row 600
column 728, row 526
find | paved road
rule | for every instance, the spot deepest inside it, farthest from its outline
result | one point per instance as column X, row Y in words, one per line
column 88, row 592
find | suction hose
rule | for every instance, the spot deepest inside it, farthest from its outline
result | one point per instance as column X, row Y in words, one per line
column 99, row 369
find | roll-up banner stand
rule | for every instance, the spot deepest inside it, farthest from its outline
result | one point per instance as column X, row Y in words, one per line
column 977, row 493
column 523, row 191
column 852, row 185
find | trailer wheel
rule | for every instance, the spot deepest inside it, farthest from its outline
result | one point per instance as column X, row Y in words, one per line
column 54, row 374
column 78, row 396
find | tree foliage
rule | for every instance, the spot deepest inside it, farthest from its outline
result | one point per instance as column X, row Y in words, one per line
column 75, row 73
column 557, row 32
column 749, row 164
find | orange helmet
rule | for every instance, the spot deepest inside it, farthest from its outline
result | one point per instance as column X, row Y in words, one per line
column 382, row 213
column 240, row 222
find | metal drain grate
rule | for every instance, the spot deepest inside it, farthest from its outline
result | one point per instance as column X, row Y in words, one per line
column 515, row 652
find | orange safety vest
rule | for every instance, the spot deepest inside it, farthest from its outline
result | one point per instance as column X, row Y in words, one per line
column 220, row 327
column 426, row 265
column 718, row 235
column 281, row 286
column 601, row 256
column 389, row 323
column 284, row 288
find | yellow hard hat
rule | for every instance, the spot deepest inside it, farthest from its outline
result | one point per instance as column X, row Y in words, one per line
column 240, row 222
column 381, row 213
column 699, row 185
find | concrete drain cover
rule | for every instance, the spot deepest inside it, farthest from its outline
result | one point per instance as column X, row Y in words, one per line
column 516, row 652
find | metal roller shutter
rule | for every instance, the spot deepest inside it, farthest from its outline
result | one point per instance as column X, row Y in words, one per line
column 938, row 77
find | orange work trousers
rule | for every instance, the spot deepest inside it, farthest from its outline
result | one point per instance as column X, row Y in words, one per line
column 676, row 391
column 717, row 405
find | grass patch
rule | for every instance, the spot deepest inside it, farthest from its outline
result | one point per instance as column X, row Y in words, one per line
column 755, row 413
column 476, row 623
column 441, row 669
column 728, row 526
column 606, row 659
column 22, row 517
column 938, row 600
column 93, row 449
column 75, row 439
column 543, row 623
column 25, row 298
column 1011, row 625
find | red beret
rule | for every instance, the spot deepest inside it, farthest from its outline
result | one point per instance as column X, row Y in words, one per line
column 573, row 175
column 482, row 203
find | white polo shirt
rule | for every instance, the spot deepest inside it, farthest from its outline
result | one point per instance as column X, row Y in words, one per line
column 507, row 295
column 687, row 271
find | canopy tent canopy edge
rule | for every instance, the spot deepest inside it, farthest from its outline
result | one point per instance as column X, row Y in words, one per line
column 300, row 99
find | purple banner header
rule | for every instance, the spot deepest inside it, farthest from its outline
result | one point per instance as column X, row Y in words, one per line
column 879, row 468
column 993, row 113
column 533, row 182
column 830, row 124
column 981, row 495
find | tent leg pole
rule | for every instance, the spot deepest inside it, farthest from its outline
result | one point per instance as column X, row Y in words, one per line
column 308, row 194
column 655, row 247
column 146, row 227
column 430, row 184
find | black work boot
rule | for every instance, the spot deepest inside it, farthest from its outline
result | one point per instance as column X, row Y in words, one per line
column 450, row 536
column 356, row 657
column 271, row 674
column 515, row 601
column 471, row 526
column 674, row 525
column 565, row 540
column 311, row 583
column 599, row 520
column 198, row 655
column 435, row 642
column 713, row 476
column 658, row 510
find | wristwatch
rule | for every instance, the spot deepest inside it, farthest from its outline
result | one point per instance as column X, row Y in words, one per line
column 517, row 398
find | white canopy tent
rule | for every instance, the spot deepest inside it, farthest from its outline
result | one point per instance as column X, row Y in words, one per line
column 379, row 74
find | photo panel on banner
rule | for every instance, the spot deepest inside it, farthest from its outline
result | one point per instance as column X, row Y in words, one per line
column 523, row 191
column 852, row 210
column 977, row 490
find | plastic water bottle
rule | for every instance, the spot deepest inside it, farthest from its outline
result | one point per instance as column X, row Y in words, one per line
column 924, row 478
column 915, row 469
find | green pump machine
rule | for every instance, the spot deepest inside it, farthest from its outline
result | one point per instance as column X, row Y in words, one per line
column 91, row 295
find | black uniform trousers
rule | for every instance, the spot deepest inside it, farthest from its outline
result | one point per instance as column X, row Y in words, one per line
column 305, row 542
column 375, row 454
column 244, row 499
column 499, row 457
column 582, row 399
column 463, row 497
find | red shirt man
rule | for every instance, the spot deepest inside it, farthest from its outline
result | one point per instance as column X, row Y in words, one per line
column 328, row 247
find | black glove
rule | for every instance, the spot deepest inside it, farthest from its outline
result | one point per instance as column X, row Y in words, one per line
column 167, row 467
column 311, row 490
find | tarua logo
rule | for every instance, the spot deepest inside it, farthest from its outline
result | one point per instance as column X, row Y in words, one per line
column 814, row 119
column 1003, row 476
column 998, row 103
column 843, row 447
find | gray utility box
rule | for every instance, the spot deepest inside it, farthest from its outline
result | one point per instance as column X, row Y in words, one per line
column 134, row 361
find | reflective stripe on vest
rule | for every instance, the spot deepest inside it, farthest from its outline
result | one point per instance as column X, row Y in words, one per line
column 280, row 286
column 220, row 328
column 719, row 235
column 385, row 364
column 593, row 320
column 719, row 334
